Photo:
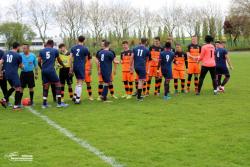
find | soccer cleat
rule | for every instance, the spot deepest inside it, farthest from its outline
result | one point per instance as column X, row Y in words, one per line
column 215, row 92
column 198, row 94
column 113, row 96
column 77, row 101
column 167, row 97
column 3, row 103
column 99, row 98
column 146, row 94
column 16, row 108
column 176, row 92
column 62, row 105
column 158, row 94
column 124, row 96
column 91, row 98
column 135, row 94
column 73, row 99
column 141, row 99
column 9, row 104
column 222, row 89
column 129, row 97
column 183, row 91
column 45, row 106
column 188, row 90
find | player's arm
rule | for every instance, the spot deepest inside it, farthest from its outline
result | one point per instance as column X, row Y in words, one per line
column 40, row 62
column 132, row 63
column 116, row 62
column 1, row 69
column 36, row 67
column 71, row 63
column 59, row 60
column 229, row 62
column 201, row 55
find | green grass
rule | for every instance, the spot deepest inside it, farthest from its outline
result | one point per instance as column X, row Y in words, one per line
column 205, row 131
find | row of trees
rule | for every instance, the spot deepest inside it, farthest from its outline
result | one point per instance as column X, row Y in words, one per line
column 120, row 20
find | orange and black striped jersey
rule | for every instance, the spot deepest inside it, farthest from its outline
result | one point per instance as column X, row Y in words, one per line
column 154, row 58
column 194, row 51
column 180, row 61
column 88, row 64
column 125, row 58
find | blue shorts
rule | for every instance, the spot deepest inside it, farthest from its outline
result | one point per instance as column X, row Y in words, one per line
column 141, row 72
column 14, row 80
column 79, row 73
column 167, row 73
column 222, row 71
column 106, row 76
column 49, row 77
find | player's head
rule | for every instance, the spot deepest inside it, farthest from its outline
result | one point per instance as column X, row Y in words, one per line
column 102, row 43
column 125, row 45
column 144, row 41
column 16, row 46
column 194, row 40
column 223, row 44
column 170, row 39
column 178, row 47
column 26, row 48
column 209, row 39
column 106, row 44
column 81, row 39
column 168, row 45
column 62, row 47
column 217, row 44
column 157, row 41
column 50, row 43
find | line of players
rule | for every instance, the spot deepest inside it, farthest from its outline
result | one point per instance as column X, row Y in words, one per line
column 155, row 62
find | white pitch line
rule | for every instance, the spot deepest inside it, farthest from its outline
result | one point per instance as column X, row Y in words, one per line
column 83, row 143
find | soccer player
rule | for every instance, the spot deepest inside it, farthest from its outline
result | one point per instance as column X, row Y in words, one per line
column 207, row 57
column 79, row 56
column 222, row 59
column 155, row 51
column 27, row 76
column 106, row 58
column 64, row 72
column 88, row 79
column 11, row 62
column 100, row 86
column 193, row 68
column 165, row 63
column 46, row 61
column 138, row 63
column 127, row 77
column 180, row 65
column 3, row 81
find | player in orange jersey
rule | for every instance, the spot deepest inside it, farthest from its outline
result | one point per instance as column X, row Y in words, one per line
column 88, row 78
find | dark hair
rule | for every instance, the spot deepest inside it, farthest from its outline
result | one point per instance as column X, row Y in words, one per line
column 104, row 40
column 26, row 44
column 168, row 45
column 209, row 39
column 50, row 42
column 106, row 44
column 219, row 42
column 157, row 38
column 61, row 45
column 15, row 45
column 124, row 42
column 81, row 38
column 144, row 40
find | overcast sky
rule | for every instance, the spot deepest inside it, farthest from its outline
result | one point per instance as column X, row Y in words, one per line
column 150, row 4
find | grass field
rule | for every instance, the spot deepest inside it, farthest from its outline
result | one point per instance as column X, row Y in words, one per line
column 204, row 131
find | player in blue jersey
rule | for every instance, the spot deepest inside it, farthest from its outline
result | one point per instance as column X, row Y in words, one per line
column 11, row 62
column 46, row 61
column 78, row 57
column 106, row 58
column 27, row 76
column 165, row 63
column 138, row 63
column 222, row 59
column 3, row 81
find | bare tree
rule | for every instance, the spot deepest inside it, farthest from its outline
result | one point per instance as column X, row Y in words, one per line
column 192, row 16
column 41, row 14
column 97, row 18
column 70, row 17
column 16, row 11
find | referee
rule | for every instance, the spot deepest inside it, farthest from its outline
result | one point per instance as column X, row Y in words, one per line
column 27, row 76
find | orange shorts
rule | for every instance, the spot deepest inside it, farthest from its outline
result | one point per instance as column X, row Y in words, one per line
column 153, row 72
column 178, row 74
column 137, row 77
column 194, row 68
column 88, row 78
column 100, row 79
column 127, row 76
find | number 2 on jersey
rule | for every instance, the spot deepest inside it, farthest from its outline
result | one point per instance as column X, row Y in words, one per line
column 78, row 51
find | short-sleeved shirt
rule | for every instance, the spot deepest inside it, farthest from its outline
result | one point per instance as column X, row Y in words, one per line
column 106, row 58
column 166, row 59
column 180, row 59
column 126, row 58
column 48, row 56
column 79, row 53
column 155, row 55
column 141, row 54
column 12, row 60
column 220, row 57
column 29, row 62
column 195, row 51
